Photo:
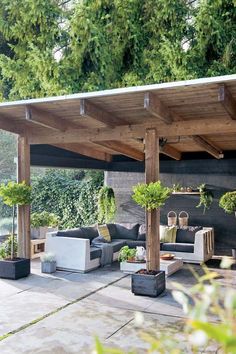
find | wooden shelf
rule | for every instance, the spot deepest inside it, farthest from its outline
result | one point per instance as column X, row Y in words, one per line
column 194, row 193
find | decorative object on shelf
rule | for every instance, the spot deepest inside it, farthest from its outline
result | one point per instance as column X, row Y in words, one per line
column 206, row 197
column 48, row 263
column 43, row 222
column 171, row 218
column 176, row 187
column 183, row 218
column 127, row 254
column 11, row 267
column 106, row 205
column 151, row 196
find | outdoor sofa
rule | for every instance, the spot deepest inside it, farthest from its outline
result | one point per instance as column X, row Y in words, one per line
column 74, row 250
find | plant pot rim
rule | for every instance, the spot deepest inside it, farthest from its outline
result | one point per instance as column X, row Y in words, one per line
column 148, row 275
column 14, row 260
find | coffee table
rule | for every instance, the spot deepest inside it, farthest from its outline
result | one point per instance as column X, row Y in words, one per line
column 169, row 267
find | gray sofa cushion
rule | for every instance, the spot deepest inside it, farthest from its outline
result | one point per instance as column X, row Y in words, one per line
column 187, row 234
column 95, row 252
column 133, row 243
column 89, row 232
column 123, row 231
column 178, row 247
column 117, row 245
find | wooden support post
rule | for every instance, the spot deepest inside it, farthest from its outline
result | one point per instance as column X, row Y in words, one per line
column 23, row 215
column 153, row 217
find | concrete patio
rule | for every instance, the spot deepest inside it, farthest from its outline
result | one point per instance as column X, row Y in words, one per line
column 63, row 312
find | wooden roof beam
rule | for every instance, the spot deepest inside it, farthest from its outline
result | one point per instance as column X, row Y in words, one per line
column 9, row 125
column 227, row 100
column 45, row 119
column 208, row 146
column 90, row 110
column 86, row 151
column 123, row 149
column 171, row 152
column 123, row 133
column 156, row 108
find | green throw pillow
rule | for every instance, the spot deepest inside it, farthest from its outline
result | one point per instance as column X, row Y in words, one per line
column 168, row 234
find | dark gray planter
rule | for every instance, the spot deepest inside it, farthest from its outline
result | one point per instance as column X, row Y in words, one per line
column 16, row 269
column 48, row 267
column 148, row 285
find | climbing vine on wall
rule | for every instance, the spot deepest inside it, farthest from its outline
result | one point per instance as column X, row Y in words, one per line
column 106, row 205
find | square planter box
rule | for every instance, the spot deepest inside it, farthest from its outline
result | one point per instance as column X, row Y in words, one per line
column 148, row 285
column 48, row 267
column 16, row 269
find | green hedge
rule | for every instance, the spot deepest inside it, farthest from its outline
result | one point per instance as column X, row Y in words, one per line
column 72, row 195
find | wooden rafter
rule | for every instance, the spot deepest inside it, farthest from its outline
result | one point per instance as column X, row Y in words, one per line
column 208, row 146
column 9, row 126
column 45, row 119
column 156, row 108
column 90, row 110
column 171, row 152
column 122, row 133
column 228, row 102
column 86, row 151
column 123, row 149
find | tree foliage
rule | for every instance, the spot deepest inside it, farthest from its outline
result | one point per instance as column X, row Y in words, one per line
column 51, row 47
column 71, row 195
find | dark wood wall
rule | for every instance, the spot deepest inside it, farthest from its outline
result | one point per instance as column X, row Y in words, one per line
column 219, row 175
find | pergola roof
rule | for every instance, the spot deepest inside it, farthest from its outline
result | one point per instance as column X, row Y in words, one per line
column 190, row 116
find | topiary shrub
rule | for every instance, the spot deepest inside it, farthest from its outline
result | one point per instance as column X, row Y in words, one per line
column 228, row 202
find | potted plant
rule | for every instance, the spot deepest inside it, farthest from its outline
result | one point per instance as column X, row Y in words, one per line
column 228, row 203
column 43, row 222
column 11, row 267
column 127, row 254
column 151, row 196
column 48, row 263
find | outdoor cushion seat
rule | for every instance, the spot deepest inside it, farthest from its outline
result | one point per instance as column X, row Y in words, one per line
column 95, row 252
column 186, row 234
column 178, row 247
column 117, row 245
column 89, row 232
column 133, row 244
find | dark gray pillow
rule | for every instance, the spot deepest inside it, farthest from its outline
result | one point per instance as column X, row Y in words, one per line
column 123, row 231
column 89, row 233
column 77, row 233
column 187, row 234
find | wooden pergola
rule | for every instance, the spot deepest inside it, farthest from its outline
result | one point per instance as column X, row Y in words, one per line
column 139, row 122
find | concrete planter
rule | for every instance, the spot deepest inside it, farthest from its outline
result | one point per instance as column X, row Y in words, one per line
column 40, row 232
column 148, row 285
column 14, row 269
column 48, row 267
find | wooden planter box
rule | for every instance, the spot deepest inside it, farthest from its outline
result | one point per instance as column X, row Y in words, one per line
column 148, row 285
column 16, row 269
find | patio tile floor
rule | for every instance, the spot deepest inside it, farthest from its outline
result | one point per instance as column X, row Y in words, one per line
column 80, row 306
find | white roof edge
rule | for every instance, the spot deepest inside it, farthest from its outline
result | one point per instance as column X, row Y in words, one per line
column 120, row 91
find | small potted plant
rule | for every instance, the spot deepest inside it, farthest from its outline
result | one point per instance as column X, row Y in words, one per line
column 43, row 222
column 228, row 203
column 127, row 254
column 151, row 196
column 48, row 263
column 11, row 266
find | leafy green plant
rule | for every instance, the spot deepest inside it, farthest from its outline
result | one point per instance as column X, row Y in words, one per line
column 206, row 197
column 106, row 205
column 5, row 248
column 44, row 219
column 126, row 253
column 151, row 196
column 228, row 202
column 14, row 194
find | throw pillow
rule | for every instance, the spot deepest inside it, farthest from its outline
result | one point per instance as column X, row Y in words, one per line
column 104, row 232
column 167, row 234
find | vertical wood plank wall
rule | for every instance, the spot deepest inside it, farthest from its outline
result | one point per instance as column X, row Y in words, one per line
column 219, row 175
